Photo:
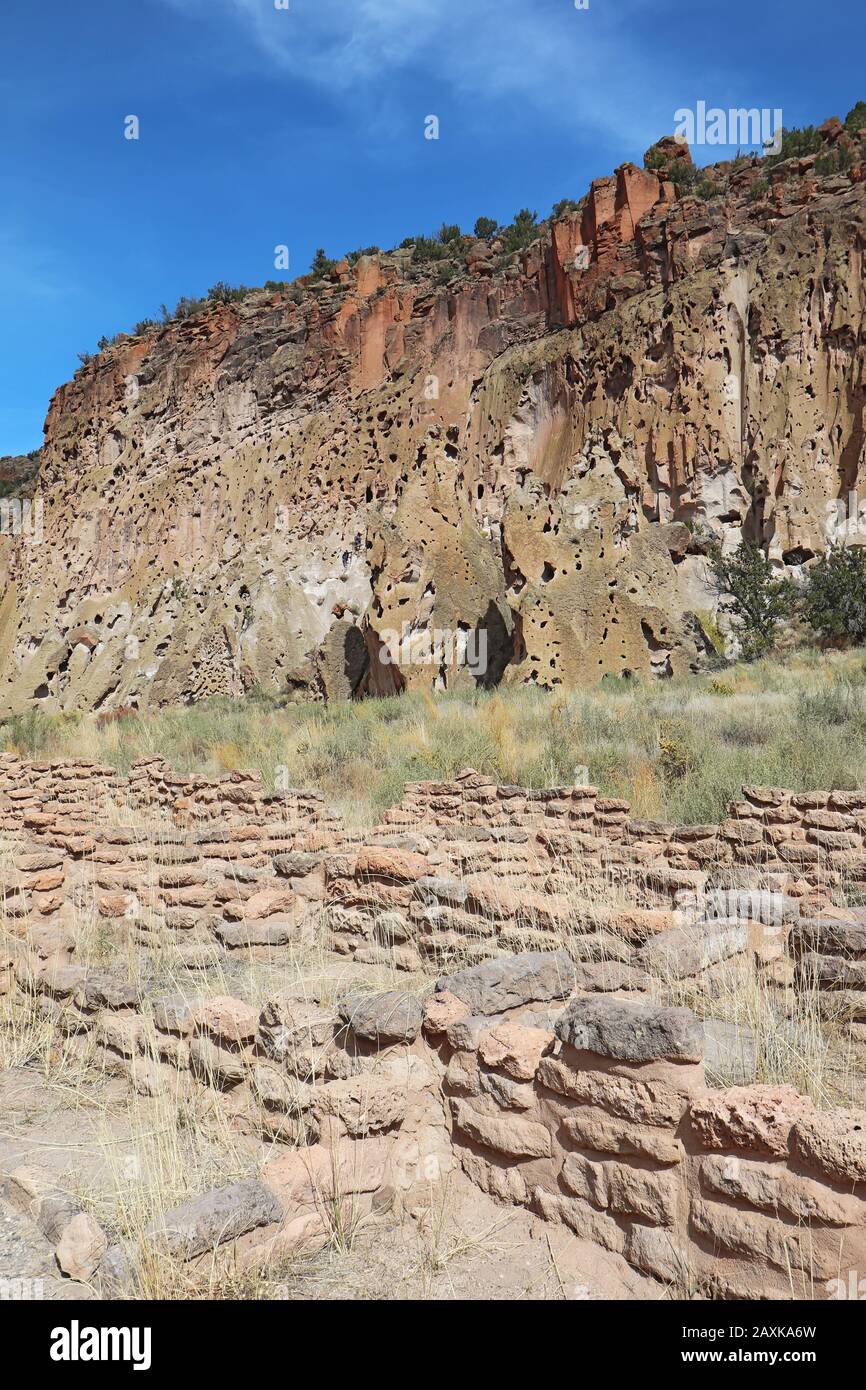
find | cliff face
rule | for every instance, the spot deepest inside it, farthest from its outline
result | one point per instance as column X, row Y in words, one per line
column 260, row 495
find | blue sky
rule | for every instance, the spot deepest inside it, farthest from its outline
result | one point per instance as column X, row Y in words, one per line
column 305, row 126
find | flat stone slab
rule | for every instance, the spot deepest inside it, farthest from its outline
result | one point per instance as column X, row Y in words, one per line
column 225, row 1214
column 296, row 863
column 631, row 1032
column 493, row 986
column 826, row 935
column 749, row 905
column 685, row 951
column 234, row 935
column 391, row 1017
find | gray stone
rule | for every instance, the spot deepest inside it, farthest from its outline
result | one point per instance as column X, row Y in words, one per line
column 116, row 1273
column 56, row 1211
column 600, row 946
column 464, row 1034
column 534, row 977
column 225, row 1214
column 842, row 1005
column 217, row 1065
column 104, row 991
column 685, row 951
column 507, row 1094
column 659, row 1252
column 830, row 937
column 631, row 1031
column 173, row 1013
column 606, row 977
column 391, row 928
column 280, row 1092
column 64, row 980
column 749, row 905
column 433, row 888
column 537, row 1018
column 391, row 1017
column 267, row 932
column 289, row 1026
column 296, row 864
column 831, row 972
column 182, row 918
column 199, row 955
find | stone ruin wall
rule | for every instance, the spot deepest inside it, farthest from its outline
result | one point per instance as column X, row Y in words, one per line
column 590, row 1111
column 541, row 1064
column 456, row 872
column 79, row 789
column 816, row 835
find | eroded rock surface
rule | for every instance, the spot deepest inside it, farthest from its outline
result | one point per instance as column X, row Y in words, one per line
column 256, row 496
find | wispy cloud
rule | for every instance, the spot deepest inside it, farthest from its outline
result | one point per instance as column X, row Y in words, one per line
column 579, row 68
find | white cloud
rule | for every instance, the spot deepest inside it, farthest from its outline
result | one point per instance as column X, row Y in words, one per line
column 576, row 67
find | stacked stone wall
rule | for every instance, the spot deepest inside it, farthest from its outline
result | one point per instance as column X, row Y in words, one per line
column 592, row 1112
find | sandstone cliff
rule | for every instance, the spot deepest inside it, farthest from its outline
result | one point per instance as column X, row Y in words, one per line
column 249, row 498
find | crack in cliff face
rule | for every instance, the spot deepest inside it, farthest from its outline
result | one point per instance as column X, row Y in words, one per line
column 521, row 455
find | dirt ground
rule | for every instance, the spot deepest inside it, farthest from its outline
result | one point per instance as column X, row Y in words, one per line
column 453, row 1242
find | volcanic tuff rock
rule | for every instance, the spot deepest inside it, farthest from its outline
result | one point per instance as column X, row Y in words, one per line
column 249, row 498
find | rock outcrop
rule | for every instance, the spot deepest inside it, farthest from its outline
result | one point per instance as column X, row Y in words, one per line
column 278, row 493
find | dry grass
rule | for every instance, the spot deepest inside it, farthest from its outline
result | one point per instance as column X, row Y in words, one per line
column 788, row 1040
column 679, row 750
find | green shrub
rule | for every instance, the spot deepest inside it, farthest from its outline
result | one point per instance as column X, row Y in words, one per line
column 838, row 161
column 840, row 707
column 186, row 308
column 106, row 342
column 710, row 629
column 322, row 265
column 448, row 232
column 363, row 251
column 757, row 599
column 834, row 602
column 796, row 142
column 485, row 228
column 654, row 158
column 221, row 293
column 428, row 249
column 683, row 174
column 856, row 118
column 563, row 206
column 675, row 756
column 523, row 230
column 707, row 190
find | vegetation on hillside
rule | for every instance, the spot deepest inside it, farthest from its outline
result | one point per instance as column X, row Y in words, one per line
column 448, row 244
column 831, row 600
column 835, row 595
column 759, row 600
